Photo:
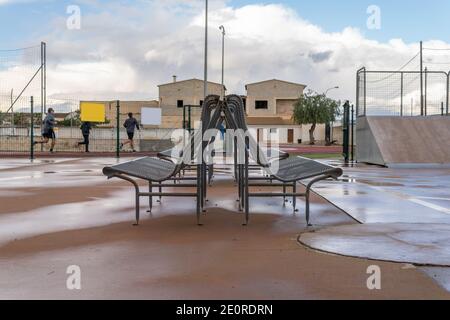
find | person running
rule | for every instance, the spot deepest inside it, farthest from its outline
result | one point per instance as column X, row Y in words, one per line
column 130, row 124
column 86, row 131
column 48, row 132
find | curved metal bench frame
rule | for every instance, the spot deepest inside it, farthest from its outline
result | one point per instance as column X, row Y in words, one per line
column 233, row 110
column 237, row 116
column 114, row 172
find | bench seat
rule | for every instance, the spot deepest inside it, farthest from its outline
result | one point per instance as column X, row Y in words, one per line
column 150, row 169
column 299, row 168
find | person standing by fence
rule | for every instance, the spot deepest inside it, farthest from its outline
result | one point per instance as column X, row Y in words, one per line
column 130, row 124
column 48, row 132
column 86, row 131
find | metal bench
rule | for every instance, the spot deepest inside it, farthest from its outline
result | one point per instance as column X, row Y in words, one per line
column 154, row 170
column 166, row 168
column 161, row 170
column 289, row 171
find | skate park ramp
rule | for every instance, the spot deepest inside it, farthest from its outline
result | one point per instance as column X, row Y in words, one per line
column 404, row 141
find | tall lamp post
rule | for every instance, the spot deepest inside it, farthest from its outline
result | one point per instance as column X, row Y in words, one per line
column 222, row 28
column 330, row 125
column 328, row 90
column 206, row 50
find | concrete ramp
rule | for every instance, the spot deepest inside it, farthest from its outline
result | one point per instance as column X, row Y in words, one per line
column 404, row 142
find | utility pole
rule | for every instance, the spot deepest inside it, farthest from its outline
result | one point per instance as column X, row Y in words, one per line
column 206, row 51
column 422, row 109
column 425, row 97
column 12, row 110
column 223, row 61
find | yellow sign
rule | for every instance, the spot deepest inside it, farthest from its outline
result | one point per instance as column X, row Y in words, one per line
column 92, row 112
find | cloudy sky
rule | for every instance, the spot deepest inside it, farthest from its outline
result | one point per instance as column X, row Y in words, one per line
column 124, row 49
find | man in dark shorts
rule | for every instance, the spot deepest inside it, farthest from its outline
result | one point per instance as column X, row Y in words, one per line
column 48, row 130
column 130, row 124
column 86, row 131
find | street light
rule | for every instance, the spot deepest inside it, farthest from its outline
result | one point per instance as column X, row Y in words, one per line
column 222, row 28
column 326, row 92
column 206, row 50
column 330, row 126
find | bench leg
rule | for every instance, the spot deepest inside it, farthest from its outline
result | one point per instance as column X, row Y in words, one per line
column 204, row 187
column 137, row 208
column 246, row 191
column 210, row 174
column 199, row 196
column 284, row 196
column 199, row 209
column 241, row 187
column 308, row 194
column 294, row 198
column 150, row 198
column 138, row 194
column 160, row 191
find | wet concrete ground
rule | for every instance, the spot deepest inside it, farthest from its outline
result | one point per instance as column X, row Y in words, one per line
column 373, row 194
column 405, row 212
column 54, row 214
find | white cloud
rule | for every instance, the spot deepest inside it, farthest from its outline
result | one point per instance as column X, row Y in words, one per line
column 4, row 2
column 128, row 51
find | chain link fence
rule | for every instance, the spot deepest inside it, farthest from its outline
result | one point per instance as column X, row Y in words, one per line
column 402, row 93
column 15, row 127
column 17, row 134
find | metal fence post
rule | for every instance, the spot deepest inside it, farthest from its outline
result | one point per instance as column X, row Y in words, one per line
column 365, row 92
column 426, row 92
column 118, row 129
column 353, row 133
column 32, row 129
column 357, row 93
column 190, row 119
column 345, row 131
column 401, row 96
column 448, row 89
column 184, row 117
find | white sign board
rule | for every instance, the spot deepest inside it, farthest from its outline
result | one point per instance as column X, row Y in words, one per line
column 151, row 116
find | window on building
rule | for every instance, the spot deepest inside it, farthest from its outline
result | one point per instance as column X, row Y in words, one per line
column 261, row 104
column 273, row 131
column 180, row 104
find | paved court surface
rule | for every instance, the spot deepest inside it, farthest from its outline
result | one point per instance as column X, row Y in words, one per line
column 373, row 194
column 290, row 148
column 405, row 215
column 63, row 212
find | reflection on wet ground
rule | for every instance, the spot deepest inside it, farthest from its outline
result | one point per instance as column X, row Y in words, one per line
column 414, row 203
column 373, row 194
column 419, row 244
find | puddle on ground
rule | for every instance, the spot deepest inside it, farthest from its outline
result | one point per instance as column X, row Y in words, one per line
column 348, row 180
column 381, row 184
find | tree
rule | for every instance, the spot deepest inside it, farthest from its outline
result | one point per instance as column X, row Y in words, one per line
column 73, row 119
column 312, row 108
